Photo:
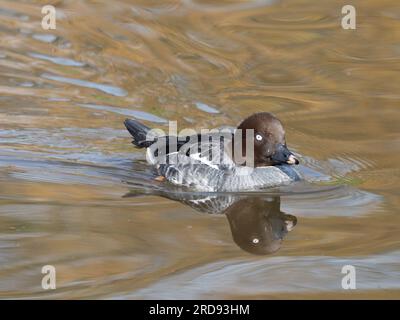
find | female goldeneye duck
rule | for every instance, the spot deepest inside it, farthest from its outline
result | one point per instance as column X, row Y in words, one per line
column 269, row 143
column 187, row 161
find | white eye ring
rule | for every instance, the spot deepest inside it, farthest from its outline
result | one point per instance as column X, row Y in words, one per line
column 258, row 137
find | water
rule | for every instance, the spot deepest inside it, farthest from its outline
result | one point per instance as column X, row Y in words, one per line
column 75, row 194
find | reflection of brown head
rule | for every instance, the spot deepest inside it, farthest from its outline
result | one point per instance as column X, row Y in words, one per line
column 257, row 224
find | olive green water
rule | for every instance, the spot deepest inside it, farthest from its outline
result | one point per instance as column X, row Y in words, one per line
column 66, row 161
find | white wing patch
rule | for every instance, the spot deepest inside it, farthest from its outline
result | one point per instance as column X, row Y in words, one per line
column 212, row 154
column 203, row 159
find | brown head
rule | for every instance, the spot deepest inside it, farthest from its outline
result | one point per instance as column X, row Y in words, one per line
column 269, row 141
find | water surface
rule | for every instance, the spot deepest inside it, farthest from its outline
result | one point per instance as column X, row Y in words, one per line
column 75, row 194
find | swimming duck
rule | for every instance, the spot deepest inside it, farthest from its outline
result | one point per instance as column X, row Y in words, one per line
column 209, row 161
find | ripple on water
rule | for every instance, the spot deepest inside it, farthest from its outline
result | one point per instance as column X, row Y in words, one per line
column 309, row 274
column 26, row 84
column 57, row 60
column 343, row 201
column 226, row 8
column 206, row 108
column 141, row 115
column 45, row 37
column 58, row 99
column 13, row 14
column 115, row 91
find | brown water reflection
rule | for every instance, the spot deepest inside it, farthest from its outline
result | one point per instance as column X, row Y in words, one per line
column 256, row 222
column 66, row 161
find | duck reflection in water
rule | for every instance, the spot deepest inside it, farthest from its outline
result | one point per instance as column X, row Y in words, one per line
column 257, row 224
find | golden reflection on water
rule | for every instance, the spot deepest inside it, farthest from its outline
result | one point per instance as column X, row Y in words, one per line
column 65, row 158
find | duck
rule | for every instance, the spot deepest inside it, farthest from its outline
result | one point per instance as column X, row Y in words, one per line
column 250, row 157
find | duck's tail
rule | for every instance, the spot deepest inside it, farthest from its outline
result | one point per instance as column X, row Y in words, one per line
column 139, row 133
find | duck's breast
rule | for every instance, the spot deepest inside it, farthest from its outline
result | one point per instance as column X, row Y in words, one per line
column 247, row 178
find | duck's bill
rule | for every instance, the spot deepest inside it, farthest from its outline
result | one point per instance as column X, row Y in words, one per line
column 283, row 155
column 292, row 160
